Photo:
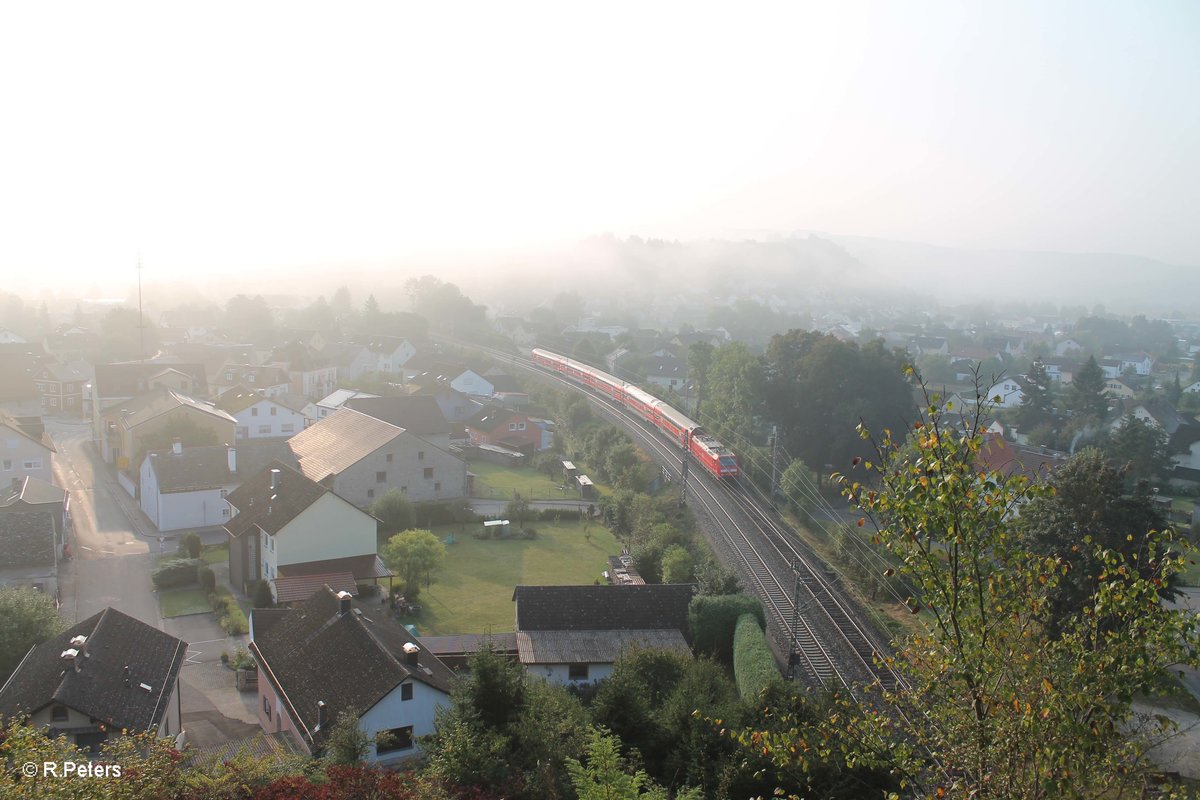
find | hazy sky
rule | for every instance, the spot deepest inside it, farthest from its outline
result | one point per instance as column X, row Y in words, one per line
column 228, row 136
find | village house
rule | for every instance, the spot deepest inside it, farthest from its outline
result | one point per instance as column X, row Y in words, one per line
column 574, row 634
column 329, row 655
column 362, row 458
column 185, row 487
column 299, row 535
column 33, row 494
column 27, row 449
column 258, row 416
column 417, row 414
column 145, row 420
column 101, row 678
column 115, row 385
column 60, row 387
column 29, row 550
column 503, row 427
column 272, row 381
column 1007, row 393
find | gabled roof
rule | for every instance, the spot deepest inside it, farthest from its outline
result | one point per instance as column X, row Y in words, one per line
column 100, row 688
column 192, row 469
column 339, row 441
column 128, row 380
column 155, row 403
column 258, row 506
column 73, row 371
column 237, row 398
column 314, row 653
column 264, row 375
column 32, row 491
column 30, row 428
column 419, row 414
column 593, row 647
column 27, row 539
column 338, row 397
column 589, row 607
column 491, row 417
column 1160, row 409
column 1009, row 458
column 380, row 344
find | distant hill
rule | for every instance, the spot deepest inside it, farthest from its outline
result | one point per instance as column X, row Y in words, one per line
column 1120, row 282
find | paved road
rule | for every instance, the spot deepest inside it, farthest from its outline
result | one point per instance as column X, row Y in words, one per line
column 115, row 547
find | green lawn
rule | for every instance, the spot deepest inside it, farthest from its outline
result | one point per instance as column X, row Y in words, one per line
column 212, row 554
column 178, row 602
column 472, row 593
column 496, row 481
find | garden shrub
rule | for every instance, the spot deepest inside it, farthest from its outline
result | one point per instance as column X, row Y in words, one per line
column 208, row 578
column 176, row 572
column 713, row 620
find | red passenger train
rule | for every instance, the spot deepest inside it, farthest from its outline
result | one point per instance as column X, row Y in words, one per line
column 718, row 460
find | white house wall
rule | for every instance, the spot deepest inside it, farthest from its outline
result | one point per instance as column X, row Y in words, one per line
column 471, row 383
column 560, row 673
column 20, row 456
column 392, row 712
column 257, row 421
column 360, row 482
column 197, row 509
column 329, row 528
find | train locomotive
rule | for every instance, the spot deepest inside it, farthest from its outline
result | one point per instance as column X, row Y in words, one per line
column 718, row 460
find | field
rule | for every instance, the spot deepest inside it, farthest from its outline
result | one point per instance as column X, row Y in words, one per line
column 472, row 593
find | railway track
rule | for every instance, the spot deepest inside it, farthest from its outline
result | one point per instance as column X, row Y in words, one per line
column 808, row 615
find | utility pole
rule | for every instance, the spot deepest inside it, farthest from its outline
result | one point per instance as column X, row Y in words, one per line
column 141, row 324
column 774, row 462
column 794, row 644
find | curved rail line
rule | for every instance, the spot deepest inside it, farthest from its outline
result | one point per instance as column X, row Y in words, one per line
column 768, row 556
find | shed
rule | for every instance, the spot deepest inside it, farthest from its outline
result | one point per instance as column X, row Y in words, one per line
column 569, row 469
column 587, row 489
column 495, row 527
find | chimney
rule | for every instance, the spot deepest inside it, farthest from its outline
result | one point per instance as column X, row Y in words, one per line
column 71, row 656
column 274, row 479
column 411, row 651
column 232, row 461
column 177, row 447
column 343, row 602
column 320, row 714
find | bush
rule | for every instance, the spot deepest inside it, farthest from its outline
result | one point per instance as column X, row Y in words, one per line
column 561, row 514
column 430, row 514
column 192, row 544
column 753, row 662
column 713, row 620
column 394, row 512
column 208, row 578
column 176, row 572
column 262, row 595
column 230, row 616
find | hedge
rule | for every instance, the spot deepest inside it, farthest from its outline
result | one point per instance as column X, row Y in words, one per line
column 176, row 572
column 754, row 666
column 713, row 620
column 230, row 616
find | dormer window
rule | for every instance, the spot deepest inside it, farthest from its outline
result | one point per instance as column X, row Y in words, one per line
column 59, row 714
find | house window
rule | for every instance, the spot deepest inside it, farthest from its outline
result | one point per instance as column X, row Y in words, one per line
column 381, row 477
column 420, row 455
column 59, row 714
column 267, row 706
column 403, row 490
column 225, row 511
column 520, row 426
column 397, row 739
column 264, row 428
column 254, row 412
column 228, row 376
column 577, row 672
column 8, row 465
column 428, row 473
column 406, row 691
column 287, row 427
column 388, row 458
column 370, row 493
column 224, row 493
column 437, row 487
column 54, row 401
column 512, row 426
column 33, row 463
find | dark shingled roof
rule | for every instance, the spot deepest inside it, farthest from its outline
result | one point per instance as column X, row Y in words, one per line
column 98, row 689
column 208, row 467
column 26, row 539
column 418, row 414
column 588, row 607
column 255, row 506
column 315, row 653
